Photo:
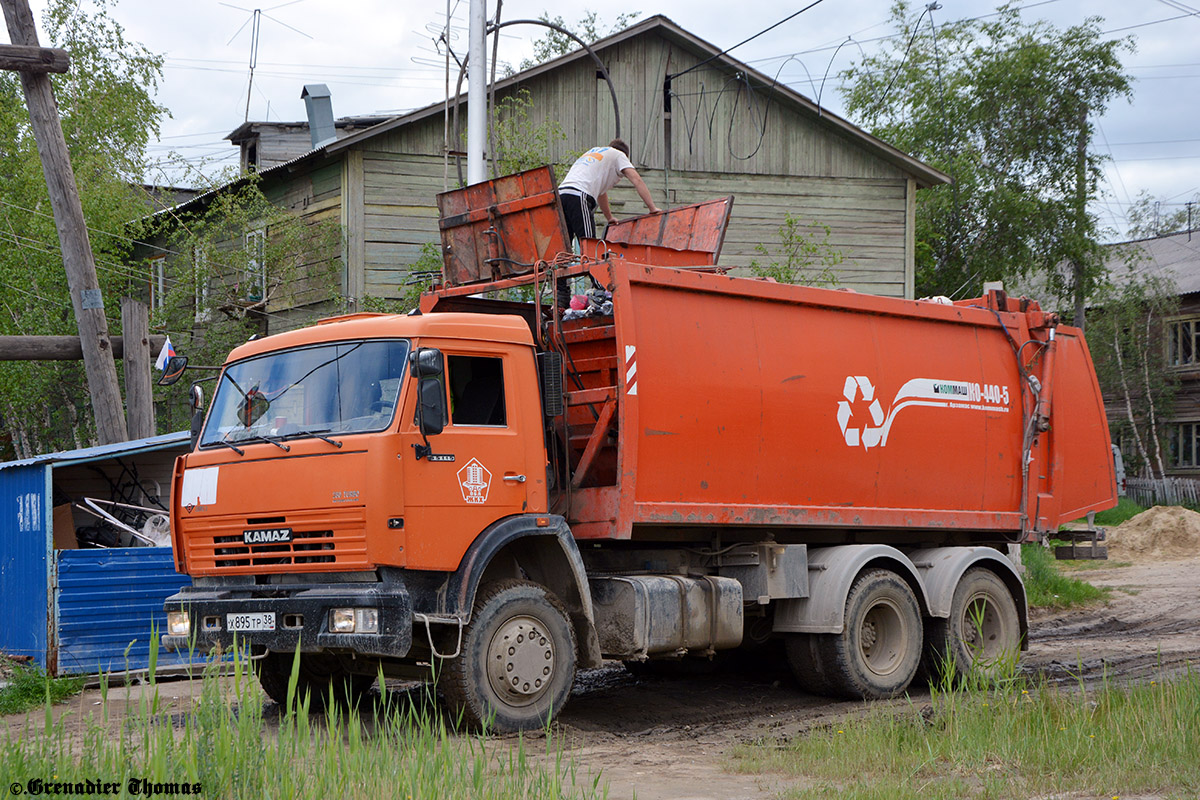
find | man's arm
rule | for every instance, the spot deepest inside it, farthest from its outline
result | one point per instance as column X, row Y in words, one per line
column 605, row 209
column 640, row 187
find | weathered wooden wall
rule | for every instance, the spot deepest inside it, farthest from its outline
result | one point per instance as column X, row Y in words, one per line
column 724, row 139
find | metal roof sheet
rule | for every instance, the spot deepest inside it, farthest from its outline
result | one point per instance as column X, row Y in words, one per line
column 1176, row 256
column 163, row 442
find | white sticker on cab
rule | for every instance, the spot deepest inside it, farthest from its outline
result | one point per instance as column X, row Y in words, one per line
column 199, row 487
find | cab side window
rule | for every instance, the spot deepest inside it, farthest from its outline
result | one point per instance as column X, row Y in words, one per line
column 476, row 390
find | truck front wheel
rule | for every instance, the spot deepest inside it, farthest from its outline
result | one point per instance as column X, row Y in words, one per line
column 982, row 635
column 517, row 662
column 879, row 649
column 318, row 676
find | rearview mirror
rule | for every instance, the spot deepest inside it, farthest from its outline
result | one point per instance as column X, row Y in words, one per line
column 426, row 363
column 253, row 406
column 173, row 371
column 431, row 415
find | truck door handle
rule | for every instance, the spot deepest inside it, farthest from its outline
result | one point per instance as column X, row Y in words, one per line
column 515, row 478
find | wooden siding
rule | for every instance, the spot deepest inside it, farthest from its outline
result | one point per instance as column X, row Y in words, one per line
column 400, row 214
column 715, row 125
column 867, row 219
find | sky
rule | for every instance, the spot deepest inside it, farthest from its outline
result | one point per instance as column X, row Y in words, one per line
column 381, row 57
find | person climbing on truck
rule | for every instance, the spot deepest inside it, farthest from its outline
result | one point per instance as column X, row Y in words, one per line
column 586, row 186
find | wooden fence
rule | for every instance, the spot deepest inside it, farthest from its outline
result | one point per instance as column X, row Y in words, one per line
column 1163, row 492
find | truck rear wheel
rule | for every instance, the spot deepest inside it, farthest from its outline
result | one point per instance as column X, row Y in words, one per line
column 517, row 662
column 879, row 649
column 982, row 635
column 317, row 677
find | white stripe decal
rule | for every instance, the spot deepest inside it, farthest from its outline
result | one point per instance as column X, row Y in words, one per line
column 631, row 369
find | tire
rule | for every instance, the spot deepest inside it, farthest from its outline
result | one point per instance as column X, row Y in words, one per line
column 803, row 655
column 879, row 649
column 981, row 637
column 317, row 675
column 517, row 662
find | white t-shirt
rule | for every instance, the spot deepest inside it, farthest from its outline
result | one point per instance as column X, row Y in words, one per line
column 596, row 171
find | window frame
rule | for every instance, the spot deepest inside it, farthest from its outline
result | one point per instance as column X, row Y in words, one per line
column 1173, row 328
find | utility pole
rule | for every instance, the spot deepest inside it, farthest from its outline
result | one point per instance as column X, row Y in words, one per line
column 86, row 299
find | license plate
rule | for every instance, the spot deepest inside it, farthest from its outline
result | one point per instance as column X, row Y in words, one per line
column 261, row 621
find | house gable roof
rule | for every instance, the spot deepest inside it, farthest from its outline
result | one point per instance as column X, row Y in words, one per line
column 1175, row 257
column 924, row 174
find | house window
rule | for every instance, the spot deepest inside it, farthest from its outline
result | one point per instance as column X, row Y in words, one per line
column 1183, row 445
column 255, row 286
column 158, row 282
column 1183, row 342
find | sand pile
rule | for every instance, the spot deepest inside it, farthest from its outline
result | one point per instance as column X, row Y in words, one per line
column 1161, row 532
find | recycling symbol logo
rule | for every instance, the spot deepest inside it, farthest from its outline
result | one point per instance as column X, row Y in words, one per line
column 860, row 416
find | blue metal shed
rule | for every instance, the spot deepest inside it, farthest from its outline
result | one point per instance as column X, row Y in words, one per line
column 84, row 610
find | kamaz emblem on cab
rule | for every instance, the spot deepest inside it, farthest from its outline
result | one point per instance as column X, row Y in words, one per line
column 267, row 536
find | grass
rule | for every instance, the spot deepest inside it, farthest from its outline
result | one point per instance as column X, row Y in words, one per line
column 1001, row 743
column 29, row 687
column 399, row 749
column 1125, row 509
column 1047, row 586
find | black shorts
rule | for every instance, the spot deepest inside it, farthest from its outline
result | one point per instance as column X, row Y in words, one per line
column 578, row 210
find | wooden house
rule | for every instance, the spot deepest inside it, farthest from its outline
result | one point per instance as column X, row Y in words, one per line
column 1174, row 258
column 701, row 124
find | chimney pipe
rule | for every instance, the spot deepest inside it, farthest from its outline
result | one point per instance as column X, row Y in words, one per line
column 320, row 114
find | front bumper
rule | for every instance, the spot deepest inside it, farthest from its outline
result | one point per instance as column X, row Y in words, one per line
column 301, row 617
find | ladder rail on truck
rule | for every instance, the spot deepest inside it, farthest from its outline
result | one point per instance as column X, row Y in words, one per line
column 710, row 463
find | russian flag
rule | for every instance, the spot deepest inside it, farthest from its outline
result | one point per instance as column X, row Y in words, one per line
column 165, row 355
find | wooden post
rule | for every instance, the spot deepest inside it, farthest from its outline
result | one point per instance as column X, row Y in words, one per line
column 139, row 394
column 86, row 299
column 60, row 348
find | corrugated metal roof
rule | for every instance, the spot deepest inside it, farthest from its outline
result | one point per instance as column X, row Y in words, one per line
column 163, row 442
column 1176, row 257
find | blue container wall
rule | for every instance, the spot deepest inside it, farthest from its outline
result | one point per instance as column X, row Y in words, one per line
column 107, row 602
column 24, row 551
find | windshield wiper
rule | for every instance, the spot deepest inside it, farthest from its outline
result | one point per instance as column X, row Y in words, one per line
column 261, row 438
column 231, row 446
column 317, row 434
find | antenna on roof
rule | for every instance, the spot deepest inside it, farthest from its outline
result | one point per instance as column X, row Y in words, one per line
column 255, row 22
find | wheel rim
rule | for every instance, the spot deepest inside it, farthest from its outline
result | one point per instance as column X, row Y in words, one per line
column 520, row 661
column 882, row 638
column 984, row 633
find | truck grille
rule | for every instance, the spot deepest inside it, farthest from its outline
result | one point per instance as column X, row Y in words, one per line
column 306, row 547
column 321, row 540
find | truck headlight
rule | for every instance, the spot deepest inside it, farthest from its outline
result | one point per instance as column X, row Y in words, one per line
column 178, row 623
column 354, row 620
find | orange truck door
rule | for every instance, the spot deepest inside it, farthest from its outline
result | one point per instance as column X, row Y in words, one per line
column 478, row 472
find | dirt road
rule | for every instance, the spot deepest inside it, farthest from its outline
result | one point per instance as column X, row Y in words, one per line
column 669, row 737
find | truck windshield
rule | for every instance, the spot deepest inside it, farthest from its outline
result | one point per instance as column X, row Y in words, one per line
column 347, row 387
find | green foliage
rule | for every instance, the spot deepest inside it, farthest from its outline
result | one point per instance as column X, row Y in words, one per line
column 553, row 43
column 232, row 265
column 1018, row 740
column 1149, row 217
column 30, row 687
column 108, row 115
column 520, row 144
column 1046, row 586
column 1126, row 510
column 1125, row 336
column 422, row 274
column 800, row 257
column 995, row 102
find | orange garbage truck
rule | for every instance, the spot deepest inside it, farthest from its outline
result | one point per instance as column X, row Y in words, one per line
column 497, row 492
